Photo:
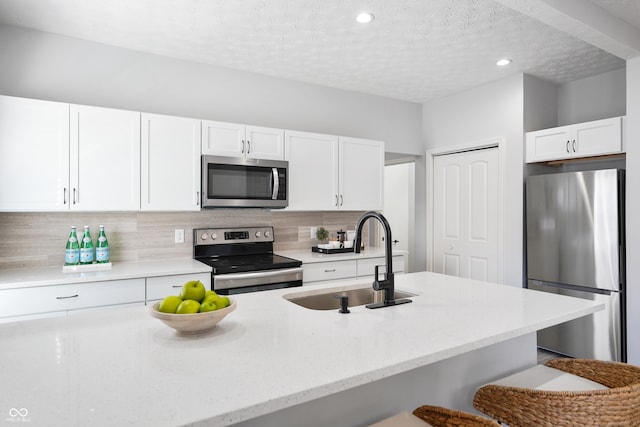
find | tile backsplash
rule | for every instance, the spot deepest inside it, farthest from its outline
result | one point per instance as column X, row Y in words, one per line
column 38, row 239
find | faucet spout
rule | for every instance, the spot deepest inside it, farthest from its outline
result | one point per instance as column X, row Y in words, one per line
column 388, row 284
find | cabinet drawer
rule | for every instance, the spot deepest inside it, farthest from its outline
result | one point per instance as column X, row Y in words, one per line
column 162, row 286
column 366, row 266
column 320, row 271
column 18, row 302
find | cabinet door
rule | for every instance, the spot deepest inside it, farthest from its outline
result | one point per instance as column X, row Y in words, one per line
column 34, row 155
column 163, row 286
column 105, row 159
column 367, row 266
column 264, row 143
column 361, row 175
column 549, row 144
column 598, row 137
column 313, row 170
column 223, row 139
column 170, row 163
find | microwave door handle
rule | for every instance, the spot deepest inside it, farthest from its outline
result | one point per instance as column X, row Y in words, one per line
column 275, row 183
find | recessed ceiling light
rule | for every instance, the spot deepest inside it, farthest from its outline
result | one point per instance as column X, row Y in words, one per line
column 503, row 62
column 365, row 17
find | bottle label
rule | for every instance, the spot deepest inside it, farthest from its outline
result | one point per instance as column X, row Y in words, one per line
column 86, row 255
column 72, row 239
column 71, row 256
column 102, row 254
column 102, row 239
column 86, row 239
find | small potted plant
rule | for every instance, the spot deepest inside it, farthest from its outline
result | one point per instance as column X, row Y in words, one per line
column 322, row 234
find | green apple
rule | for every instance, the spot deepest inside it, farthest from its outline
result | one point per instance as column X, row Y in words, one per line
column 210, row 293
column 219, row 301
column 225, row 300
column 193, row 289
column 169, row 304
column 188, row 306
column 207, row 306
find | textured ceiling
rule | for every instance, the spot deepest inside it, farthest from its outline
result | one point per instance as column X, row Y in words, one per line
column 415, row 50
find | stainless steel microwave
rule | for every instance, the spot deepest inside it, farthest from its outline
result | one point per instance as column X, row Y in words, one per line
column 244, row 183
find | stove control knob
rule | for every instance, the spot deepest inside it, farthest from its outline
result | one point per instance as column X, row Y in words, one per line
column 203, row 237
column 258, row 234
column 267, row 234
column 214, row 236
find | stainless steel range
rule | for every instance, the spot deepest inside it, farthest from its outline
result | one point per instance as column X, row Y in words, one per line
column 243, row 260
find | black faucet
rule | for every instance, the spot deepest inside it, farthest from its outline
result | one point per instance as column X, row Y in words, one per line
column 388, row 284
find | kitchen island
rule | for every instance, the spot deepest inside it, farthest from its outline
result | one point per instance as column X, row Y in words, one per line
column 274, row 363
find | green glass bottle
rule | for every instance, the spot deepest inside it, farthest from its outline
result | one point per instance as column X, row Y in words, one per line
column 102, row 247
column 86, row 247
column 72, row 253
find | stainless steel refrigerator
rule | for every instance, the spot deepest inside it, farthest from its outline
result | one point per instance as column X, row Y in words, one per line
column 576, row 247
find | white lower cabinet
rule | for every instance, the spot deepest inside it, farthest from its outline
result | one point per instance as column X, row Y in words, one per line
column 348, row 269
column 331, row 270
column 63, row 298
column 366, row 266
column 162, row 286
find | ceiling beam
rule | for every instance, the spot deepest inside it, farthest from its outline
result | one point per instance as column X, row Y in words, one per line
column 585, row 21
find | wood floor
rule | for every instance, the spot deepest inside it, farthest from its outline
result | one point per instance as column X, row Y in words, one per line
column 545, row 355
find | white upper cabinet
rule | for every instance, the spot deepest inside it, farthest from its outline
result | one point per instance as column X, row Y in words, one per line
column 361, row 174
column 327, row 172
column 170, row 163
column 237, row 140
column 104, row 159
column 596, row 138
column 34, row 155
column 313, row 171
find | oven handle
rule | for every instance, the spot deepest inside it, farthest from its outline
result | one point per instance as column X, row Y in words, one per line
column 276, row 183
column 260, row 274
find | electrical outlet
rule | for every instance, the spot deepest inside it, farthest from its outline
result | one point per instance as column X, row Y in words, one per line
column 313, row 232
column 179, row 235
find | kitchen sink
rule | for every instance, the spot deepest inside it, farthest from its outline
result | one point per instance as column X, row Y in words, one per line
column 330, row 298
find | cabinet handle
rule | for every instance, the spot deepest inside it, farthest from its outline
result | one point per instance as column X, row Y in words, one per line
column 248, row 146
column 336, row 200
column 64, row 197
column 242, row 151
column 574, row 145
column 176, row 286
column 568, row 150
column 341, row 200
column 330, row 271
column 70, row 296
column 197, row 198
column 74, row 196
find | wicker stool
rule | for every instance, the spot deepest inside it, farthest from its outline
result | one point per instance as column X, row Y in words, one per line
column 442, row 417
column 616, row 403
column 435, row 416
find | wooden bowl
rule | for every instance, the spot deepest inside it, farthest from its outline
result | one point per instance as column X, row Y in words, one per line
column 196, row 323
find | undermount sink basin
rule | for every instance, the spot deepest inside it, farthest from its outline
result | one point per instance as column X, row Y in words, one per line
column 330, row 298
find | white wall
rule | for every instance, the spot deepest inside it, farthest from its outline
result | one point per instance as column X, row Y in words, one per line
column 633, row 210
column 490, row 111
column 47, row 66
column 540, row 104
column 592, row 98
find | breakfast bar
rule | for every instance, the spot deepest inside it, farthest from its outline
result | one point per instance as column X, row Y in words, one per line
column 274, row 363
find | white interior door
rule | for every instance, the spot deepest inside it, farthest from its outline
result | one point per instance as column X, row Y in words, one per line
column 399, row 205
column 466, row 214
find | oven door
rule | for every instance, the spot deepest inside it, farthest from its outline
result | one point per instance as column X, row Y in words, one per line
column 238, row 182
column 254, row 281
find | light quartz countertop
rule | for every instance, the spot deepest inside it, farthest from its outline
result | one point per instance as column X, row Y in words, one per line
column 123, row 367
column 308, row 257
column 46, row 276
